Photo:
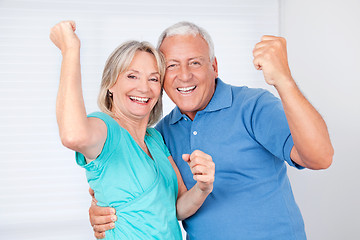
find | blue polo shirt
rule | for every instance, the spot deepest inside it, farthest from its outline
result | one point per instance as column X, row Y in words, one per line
column 246, row 133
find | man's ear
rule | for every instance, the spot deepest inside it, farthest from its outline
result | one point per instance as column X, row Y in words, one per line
column 215, row 67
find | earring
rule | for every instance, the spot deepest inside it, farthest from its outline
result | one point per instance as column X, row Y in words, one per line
column 110, row 94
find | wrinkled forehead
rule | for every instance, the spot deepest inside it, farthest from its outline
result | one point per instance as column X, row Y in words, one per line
column 184, row 46
column 187, row 35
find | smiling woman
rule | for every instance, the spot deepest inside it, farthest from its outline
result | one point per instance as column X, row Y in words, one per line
column 127, row 163
column 137, row 89
column 117, row 68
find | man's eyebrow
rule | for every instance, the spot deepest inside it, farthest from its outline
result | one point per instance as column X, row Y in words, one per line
column 189, row 59
column 199, row 57
column 172, row 60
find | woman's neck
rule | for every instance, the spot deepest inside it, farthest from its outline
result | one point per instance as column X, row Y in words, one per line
column 135, row 127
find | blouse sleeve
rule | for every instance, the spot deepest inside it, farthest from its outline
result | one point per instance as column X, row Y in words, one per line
column 112, row 140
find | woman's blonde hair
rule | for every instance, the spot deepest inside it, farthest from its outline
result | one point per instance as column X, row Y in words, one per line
column 118, row 62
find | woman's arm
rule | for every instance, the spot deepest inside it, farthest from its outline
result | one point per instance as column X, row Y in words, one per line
column 77, row 132
column 203, row 169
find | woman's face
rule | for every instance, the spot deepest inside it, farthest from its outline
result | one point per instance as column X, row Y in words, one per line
column 137, row 89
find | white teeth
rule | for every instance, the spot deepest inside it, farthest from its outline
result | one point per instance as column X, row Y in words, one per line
column 186, row 89
column 139, row 99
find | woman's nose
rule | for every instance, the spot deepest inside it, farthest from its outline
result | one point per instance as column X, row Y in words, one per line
column 143, row 86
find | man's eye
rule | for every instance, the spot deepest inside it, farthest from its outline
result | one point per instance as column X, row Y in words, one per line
column 171, row 66
column 195, row 63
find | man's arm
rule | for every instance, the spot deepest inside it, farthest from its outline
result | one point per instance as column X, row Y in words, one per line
column 312, row 146
column 101, row 218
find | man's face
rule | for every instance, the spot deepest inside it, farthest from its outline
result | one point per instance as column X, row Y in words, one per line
column 190, row 75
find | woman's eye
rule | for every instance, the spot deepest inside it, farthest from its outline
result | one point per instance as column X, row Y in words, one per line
column 154, row 79
column 131, row 76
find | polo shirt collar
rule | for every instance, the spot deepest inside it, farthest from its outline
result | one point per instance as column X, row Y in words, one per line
column 175, row 116
column 221, row 99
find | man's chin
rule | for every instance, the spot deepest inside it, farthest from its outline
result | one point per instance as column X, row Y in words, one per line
column 188, row 110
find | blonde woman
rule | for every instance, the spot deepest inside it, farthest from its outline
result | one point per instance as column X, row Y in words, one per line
column 127, row 163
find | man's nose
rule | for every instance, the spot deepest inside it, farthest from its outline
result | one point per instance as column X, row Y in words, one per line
column 185, row 73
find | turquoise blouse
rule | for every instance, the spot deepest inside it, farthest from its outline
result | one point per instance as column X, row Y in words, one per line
column 142, row 190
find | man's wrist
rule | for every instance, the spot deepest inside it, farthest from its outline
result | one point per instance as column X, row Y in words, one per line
column 285, row 85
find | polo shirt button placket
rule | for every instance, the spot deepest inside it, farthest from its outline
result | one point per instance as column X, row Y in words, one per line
column 194, row 141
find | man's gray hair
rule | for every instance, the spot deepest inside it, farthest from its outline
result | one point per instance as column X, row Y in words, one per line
column 188, row 28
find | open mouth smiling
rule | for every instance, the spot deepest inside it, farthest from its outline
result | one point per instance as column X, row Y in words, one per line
column 186, row 89
column 139, row 99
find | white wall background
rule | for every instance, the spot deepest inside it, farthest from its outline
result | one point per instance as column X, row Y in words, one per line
column 324, row 49
column 43, row 193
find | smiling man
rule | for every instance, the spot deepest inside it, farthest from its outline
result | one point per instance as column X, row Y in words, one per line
column 250, row 134
column 188, row 70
